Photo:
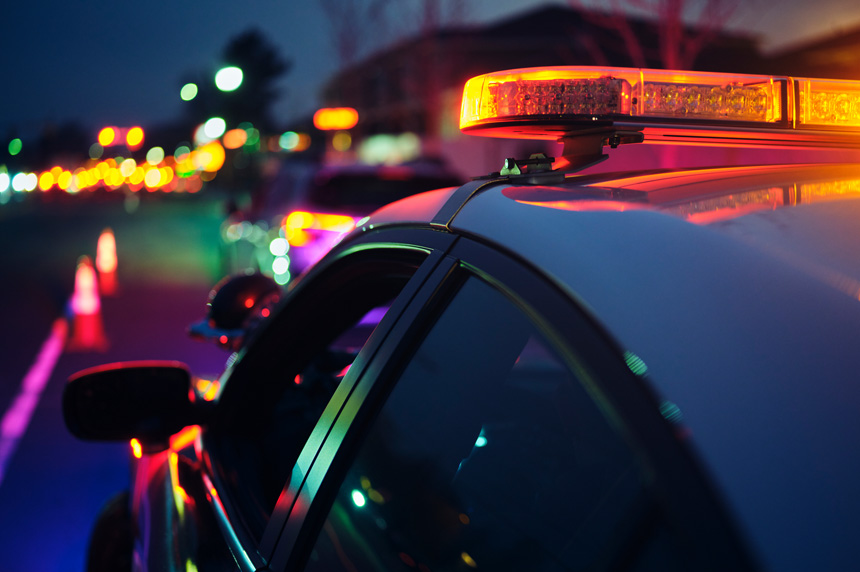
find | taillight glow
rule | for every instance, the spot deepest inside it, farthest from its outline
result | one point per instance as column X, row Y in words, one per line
column 208, row 388
column 184, row 438
column 107, row 136
column 136, row 448
column 134, row 137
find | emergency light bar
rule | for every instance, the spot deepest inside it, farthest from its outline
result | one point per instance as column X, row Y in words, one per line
column 668, row 106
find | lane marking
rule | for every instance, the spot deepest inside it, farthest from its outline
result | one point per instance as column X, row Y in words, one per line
column 17, row 417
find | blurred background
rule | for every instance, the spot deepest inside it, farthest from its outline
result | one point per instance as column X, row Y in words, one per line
column 147, row 150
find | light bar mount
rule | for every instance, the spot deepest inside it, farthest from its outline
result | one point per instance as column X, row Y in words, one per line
column 584, row 147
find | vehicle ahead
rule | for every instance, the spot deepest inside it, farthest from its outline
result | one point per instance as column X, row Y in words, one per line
column 308, row 207
column 537, row 370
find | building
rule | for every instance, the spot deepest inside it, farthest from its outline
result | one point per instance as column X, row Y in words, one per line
column 835, row 57
column 416, row 86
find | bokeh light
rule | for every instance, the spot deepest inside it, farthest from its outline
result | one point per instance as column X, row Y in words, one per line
column 15, row 146
column 235, row 138
column 279, row 247
column 64, row 181
column 389, row 149
column 152, row 179
column 24, row 182
column 289, row 140
column 46, row 181
column 134, row 137
column 253, row 137
column 212, row 129
column 155, row 156
column 96, row 151
column 209, row 157
column 281, row 265
column 18, row 182
column 136, row 178
column 341, row 141
column 333, row 118
column 188, row 91
column 127, row 167
column 107, row 136
column 228, row 78
column 182, row 152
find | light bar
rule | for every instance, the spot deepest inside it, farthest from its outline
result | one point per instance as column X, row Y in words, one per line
column 548, row 103
column 828, row 102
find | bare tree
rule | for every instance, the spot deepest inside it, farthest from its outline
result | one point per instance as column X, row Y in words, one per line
column 355, row 25
column 358, row 26
column 409, row 81
column 683, row 27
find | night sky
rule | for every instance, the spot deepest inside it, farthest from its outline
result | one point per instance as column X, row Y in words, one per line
column 123, row 63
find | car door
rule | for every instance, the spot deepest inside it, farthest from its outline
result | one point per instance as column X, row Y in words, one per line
column 498, row 427
column 293, row 373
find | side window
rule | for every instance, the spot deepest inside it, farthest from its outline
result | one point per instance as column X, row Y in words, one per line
column 491, row 453
column 290, row 373
column 299, row 407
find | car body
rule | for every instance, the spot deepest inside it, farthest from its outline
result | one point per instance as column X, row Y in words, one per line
column 535, row 370
column 307, row 207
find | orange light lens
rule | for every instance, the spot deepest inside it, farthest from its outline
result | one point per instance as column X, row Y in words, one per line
column 590, row 94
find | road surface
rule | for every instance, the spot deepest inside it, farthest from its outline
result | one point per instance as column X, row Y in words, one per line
column 52, row 486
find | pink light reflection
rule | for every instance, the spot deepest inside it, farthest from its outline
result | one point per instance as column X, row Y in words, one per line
column 17, row 417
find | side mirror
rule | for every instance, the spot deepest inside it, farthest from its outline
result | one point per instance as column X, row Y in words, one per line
column 149, row 401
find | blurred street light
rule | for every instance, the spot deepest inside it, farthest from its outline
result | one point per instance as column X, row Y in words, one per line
column 214, row 128
column 228, row 78
column 188, row 91
column 15, row 146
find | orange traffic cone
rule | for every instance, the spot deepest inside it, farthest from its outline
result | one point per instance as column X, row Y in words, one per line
column 85, row 308
column 106, row 263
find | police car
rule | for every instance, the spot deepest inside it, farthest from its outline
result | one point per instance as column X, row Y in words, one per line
column 539, row 369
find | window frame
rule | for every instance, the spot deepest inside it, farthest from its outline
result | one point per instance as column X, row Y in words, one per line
column 421, row 248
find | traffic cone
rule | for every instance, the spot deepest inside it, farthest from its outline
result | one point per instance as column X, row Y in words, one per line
column 85, row 309
column 106, row 263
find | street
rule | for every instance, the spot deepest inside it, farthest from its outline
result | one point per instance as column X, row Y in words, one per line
column 51, row 485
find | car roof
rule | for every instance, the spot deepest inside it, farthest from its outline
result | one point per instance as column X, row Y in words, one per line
column 737, row 287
